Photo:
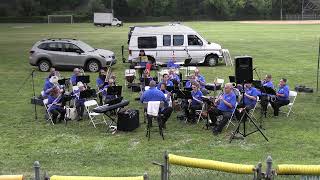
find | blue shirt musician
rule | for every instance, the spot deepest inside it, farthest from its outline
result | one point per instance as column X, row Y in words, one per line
column 100, row 82
column 73, row 78
column 201, row 80
column 79, row 102
column 55, row 105
column 225, row 105
column 193, row 104
column 154, row 94
column 165, row 80
column 108, row 97
column 171, row 64
column 267, row 82
column 282, row 96
column 49, row 84
column 174, row 77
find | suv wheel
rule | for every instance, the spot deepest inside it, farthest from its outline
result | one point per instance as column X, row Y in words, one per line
column 93, row 66
column 211, row 60
column 44, row 65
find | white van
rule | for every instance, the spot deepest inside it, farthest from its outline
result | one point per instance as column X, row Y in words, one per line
column 162, row 43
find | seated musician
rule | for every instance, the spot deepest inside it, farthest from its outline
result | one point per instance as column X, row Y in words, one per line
column 201, row 80
column 79, row 101
column 55, row 104
column 165, row 80
column 192, row 79
column 108, row 97
column 282, row 96
column 267, row 82
column 174, row 77
column 193, row 104
column 225, row 104
column 153, row 94
column 73, row 78
column 101, row 83
column 171, row 63
column 163, row 88
column 249, row 99
column 49, row 84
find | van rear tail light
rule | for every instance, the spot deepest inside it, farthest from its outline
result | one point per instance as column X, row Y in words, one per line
column 130, row 52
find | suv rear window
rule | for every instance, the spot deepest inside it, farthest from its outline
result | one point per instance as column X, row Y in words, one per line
column 178, row 40
column 43, row 46
column 147, row 42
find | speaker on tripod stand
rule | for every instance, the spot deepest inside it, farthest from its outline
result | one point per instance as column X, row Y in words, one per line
column 244, row 74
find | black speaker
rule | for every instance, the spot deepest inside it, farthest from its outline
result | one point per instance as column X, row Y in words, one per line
column 243, row 69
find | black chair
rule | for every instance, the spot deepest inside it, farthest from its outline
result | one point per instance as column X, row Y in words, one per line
column 150, row 118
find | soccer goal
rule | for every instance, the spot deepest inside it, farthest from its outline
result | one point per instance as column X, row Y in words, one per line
column 60, row 19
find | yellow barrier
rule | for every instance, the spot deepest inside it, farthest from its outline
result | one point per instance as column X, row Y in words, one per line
column 11, row 177
column 286, row 169
column 210, row 164
column 94, row 178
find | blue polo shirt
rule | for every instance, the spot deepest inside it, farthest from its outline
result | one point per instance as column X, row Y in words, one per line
column 169, row 83
column 51, row 99
column 268, row 84
column 153, row 94
column 230, row 98
column 73, row 80
column 171, row 64
column 283, row 90
column 47, row 85
column 175, row 77
column 251, row 92
column 197, row 95
column 188, row 84
column 201, row 79
column 99, row 82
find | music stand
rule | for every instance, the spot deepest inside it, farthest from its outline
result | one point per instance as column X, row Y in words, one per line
column 232, row 79
column 146, row 81
column 83, row 79
column 63, row 81
column 184, row 94
column 170, row 88
column 114, row 90
column 88, row 93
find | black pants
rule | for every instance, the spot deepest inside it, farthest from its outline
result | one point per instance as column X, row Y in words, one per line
column 191, row 112
column 55, row 113
column 165, row 114
column 80, row 108
column 213, row 113
column 277, row 104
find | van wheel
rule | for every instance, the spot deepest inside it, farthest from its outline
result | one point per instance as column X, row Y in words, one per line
column 44, row 65
column 211, row 60
column 93, row 66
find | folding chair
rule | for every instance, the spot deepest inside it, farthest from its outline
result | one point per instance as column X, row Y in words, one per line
column 292, row 98
column 232, row 116
column 45, row 104
column 89, row 105
column 255, row 106
column 220, row 81
column 199, row 112
column 150, row 117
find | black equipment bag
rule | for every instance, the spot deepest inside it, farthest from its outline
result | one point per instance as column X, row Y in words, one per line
column 128, row 120
column 135, row 87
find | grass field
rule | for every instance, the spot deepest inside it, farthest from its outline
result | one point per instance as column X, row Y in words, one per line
column 283, row 50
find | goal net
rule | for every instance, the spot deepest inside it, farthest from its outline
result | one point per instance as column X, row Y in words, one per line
column 60, row 19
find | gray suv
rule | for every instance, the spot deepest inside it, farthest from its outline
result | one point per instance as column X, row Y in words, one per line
column 69, row 53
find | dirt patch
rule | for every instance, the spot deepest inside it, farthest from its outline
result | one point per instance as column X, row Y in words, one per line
column 282, row 22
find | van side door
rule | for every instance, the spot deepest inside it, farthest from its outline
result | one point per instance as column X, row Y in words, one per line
column 179, row 47
column 196, row 49
column 165, row 49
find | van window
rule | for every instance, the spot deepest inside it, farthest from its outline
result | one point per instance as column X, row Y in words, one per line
column 147, row 42
column 178, row 40
column 193, row 40
column 166, row 40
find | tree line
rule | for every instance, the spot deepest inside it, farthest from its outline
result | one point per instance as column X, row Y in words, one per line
column 213, row 9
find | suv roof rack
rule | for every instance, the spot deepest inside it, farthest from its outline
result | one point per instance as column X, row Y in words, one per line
column 60, row 39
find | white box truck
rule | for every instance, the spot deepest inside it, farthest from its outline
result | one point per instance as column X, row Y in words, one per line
column 103, row 19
